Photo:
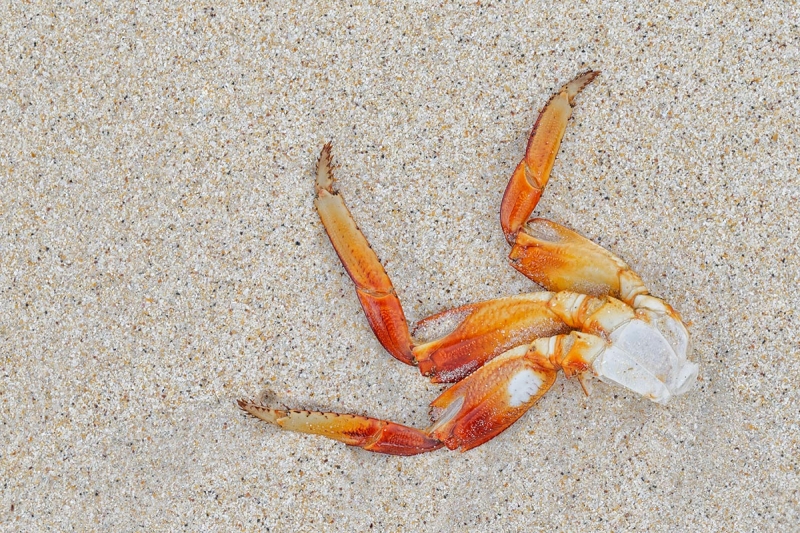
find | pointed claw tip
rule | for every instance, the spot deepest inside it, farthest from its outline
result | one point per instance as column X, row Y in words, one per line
column 582, row 80
column 324, row 169
column 325, row 154
column 246, row 406
column 258, row 410
column 326, row 151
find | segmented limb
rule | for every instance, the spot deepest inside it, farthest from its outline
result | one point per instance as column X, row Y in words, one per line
column 368, row 433
column 553, row 256
column 465, row 416
column 559, row 259
column 484, row 331
column 373, row 286
column 531, row 175
column 488, row 401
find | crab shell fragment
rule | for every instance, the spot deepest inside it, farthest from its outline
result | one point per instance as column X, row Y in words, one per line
column 596, row 317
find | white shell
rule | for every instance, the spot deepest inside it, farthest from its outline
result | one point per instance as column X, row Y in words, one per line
column 643, row 359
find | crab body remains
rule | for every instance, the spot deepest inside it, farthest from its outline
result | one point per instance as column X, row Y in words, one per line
column 597, row 317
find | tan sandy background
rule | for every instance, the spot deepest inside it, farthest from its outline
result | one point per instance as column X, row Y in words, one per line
column 160, row 257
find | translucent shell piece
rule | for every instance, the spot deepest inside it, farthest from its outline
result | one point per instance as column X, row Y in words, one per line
column 640, row 359
column 642, row 350
column 666, row 319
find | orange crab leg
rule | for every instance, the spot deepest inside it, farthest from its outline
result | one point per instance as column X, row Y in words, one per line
column 373, row 286
column 483, row 331
column 368, row 433
column 465, row 416
column 532, row 173
column 487, row 402
column 559, row 259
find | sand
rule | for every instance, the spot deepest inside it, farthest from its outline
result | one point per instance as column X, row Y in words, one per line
column 160, row 257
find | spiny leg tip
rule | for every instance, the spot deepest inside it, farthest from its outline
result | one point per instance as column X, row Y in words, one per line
column 587, row 76
column 576, row 85
column 324, row 170
column 326, row 153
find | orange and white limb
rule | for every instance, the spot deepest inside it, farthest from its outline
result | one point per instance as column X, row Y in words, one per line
column 368, row 433
column 551, row 255
column 468, row 414
column 559, row 259
column 484, row 331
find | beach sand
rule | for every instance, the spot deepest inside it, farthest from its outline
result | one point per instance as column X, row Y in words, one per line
column 160, row 257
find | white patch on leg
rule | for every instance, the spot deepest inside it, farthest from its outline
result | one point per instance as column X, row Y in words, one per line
column 522, row 387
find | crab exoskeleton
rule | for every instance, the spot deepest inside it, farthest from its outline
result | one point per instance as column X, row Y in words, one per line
column 597, row 317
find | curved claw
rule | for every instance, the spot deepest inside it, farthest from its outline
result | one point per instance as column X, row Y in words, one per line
column 370, row 434
column 531, row 175
column 375, row 291
column 484, row 331
column 559, row 259
column 487, row 402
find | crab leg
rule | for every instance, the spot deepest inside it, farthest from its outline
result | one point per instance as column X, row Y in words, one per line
column 559, row 259
column 373, row 286
column 552, row 255
column 484, row 330
column 488, row 401
column 532, row 173
column 465, row 416
column 370, row 434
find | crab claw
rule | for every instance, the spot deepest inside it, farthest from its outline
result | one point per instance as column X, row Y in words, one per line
column 488, row 401
column 370, row 434
column 531, row 175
